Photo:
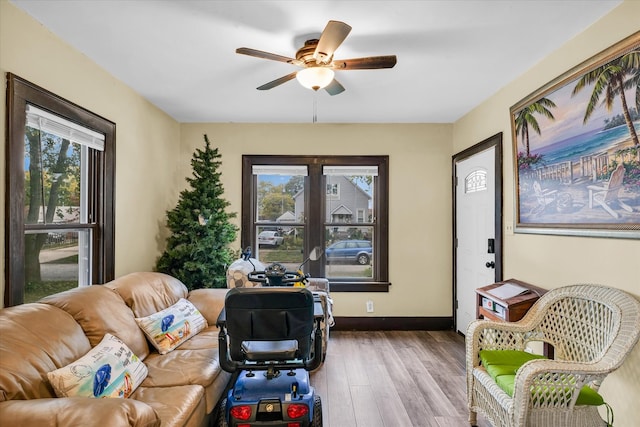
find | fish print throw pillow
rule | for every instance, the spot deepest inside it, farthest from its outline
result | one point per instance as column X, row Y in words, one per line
column 169, row 328
column 110, row 369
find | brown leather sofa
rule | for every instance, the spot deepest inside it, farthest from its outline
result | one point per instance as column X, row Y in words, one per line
column 182, row 387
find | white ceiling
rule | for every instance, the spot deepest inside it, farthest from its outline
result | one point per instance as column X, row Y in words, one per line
column 180, row 54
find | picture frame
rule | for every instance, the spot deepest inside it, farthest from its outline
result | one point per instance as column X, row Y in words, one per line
column 576, row 150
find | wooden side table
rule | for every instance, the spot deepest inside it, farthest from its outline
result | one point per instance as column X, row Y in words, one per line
column 489, row 306
column 513, row 309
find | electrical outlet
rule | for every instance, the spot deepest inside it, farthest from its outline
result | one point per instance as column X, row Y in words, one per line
column 369, row 306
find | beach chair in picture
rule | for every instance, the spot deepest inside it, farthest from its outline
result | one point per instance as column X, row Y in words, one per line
column 544, row 197
column 607, row 194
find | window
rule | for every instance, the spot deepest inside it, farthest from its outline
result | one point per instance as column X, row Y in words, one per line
column 333, row 191
column 339, row 203
column 476, row 181
column 59, row 224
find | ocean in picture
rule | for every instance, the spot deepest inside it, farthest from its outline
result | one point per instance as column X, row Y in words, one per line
column 571, row 149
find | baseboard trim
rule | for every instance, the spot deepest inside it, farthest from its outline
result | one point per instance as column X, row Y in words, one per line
column 393, row 323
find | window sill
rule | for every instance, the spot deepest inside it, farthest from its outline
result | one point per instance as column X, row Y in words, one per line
column 335, row 286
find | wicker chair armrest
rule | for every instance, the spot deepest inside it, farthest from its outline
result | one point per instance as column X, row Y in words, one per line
column 545, row 383
column 486, row 334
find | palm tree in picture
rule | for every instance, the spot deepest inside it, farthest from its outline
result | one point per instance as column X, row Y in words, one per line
column 526, row 118
column 611, row 80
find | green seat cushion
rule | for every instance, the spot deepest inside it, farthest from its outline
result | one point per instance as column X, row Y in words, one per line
column 505, row 362
column 507, row 357
column 502, row 366
column 498, row 370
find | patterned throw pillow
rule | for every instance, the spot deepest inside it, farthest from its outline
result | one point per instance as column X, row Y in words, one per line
column 110, row 369
column 169, row 328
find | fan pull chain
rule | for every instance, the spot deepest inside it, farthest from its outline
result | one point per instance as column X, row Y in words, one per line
column 315, row 108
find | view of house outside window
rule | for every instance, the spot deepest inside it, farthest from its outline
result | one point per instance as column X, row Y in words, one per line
column 348, row 223
column 292, row 204
column 348, row 210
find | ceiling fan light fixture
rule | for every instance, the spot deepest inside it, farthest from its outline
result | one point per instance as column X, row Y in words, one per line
column 315, row 77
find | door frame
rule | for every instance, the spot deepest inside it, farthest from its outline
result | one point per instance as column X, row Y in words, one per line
column 494, row 141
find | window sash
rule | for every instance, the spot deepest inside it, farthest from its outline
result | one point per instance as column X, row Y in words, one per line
column 350, row 170
column 280, row 170
column 38, row 118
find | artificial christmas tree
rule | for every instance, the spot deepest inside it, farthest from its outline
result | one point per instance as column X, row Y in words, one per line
column 198, row 251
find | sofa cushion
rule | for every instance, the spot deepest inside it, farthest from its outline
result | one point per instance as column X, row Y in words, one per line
column 100, row 310
column 110, row 369
column 209, row 301
column 147, row 293
column 169, row 328
column 188, row 367
column 176, row 406
column 502, row 366
column 28, row 352
column 182, row 367
column 78, row 412
column 207, row 338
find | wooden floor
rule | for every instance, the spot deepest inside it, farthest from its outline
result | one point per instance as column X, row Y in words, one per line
column 394, row 379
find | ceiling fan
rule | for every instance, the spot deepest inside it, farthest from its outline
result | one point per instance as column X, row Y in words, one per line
column 316, row 60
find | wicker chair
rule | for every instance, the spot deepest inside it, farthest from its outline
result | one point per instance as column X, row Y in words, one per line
column 592, row 329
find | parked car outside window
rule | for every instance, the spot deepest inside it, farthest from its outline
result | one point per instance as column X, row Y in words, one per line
column 357, row 251
column 270, row 238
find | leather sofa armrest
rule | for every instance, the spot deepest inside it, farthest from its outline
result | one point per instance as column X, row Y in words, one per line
column 209, row 302
column 77, row 411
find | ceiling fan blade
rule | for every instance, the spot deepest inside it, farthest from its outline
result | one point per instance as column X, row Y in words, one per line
column 368, row 63
column 278, row 82
column 332, row 36
column 334, row 88
column 265, row 55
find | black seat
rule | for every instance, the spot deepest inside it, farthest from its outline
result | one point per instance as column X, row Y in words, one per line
column 269, row 325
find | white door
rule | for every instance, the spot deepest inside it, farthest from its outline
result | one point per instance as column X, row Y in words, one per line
column 475, row 225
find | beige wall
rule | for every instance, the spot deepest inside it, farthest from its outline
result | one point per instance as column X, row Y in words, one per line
column 149, row 178
column 420, row 197
column 552, row 261
column 147, row 140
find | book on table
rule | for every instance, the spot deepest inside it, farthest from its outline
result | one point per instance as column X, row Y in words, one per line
column 507, row 291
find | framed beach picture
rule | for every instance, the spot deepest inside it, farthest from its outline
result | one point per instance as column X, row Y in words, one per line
column 577, row 149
